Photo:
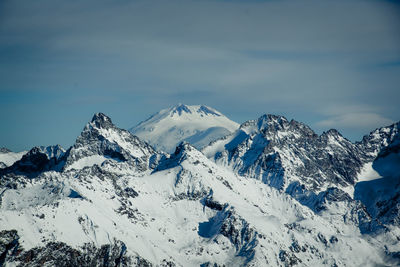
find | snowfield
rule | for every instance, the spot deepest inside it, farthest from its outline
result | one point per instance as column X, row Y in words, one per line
column 198, row 125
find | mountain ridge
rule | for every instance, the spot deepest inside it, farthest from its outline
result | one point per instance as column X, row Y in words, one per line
column 253, row 198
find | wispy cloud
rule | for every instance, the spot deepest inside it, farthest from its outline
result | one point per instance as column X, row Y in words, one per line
column 356, row 121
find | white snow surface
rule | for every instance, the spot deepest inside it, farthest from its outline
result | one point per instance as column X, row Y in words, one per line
column 368, row 173
column 170, row 221
column 87, row 162
column 197, row 124
column 9, row 158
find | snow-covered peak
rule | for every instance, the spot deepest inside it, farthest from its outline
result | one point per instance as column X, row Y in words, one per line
column 55, row 151
column 7, row 157
column 182, row 147
column 101, row 120
column 197, row 124
column 277, row 127
column 280, row 152
column 272, row 121
column 208, row 111
column 201, row 110
column 380, row 138
column 332, row 132
column 101, row 140
column 179, row 109
column 183, row 152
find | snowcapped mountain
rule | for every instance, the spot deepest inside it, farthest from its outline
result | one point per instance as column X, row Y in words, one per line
column 198, row 125
column 101, row 141
column 290, row 157
column 282, row 153
column 272, row 193
column 7, row 157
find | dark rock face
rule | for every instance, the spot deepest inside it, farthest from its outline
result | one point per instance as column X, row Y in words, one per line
column 36, row 161
column 60, row 254
column 101, row 137
column 229, row 224
column 379, row 139
column 179, row 109
column 332, row 194
column 240, row 234
column 8, row 245
column 288, row 258
column 101, row 120
column 176, row 158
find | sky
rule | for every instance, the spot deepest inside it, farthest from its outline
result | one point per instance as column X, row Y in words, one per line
column 329, row 64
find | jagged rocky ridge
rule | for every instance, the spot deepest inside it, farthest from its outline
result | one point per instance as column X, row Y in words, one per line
column 101, row 139
column 280, row 152
column 314, row 169
column 112, row 200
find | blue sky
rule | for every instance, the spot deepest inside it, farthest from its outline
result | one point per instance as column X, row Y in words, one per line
column 330, row 64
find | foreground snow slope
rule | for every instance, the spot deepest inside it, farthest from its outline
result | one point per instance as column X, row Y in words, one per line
column 199, row 125
column 112, row 200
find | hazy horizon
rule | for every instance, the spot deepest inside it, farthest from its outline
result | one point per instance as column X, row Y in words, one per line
column 67, row 145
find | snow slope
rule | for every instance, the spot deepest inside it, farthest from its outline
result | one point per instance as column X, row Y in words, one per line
column 7, row 157
column 199, row 125
column 188, row 212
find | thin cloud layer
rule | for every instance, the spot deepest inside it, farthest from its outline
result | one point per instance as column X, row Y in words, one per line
column 356, row 121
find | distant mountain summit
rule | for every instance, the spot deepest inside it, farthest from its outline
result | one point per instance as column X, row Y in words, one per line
column 198, row 125
column 7, row 157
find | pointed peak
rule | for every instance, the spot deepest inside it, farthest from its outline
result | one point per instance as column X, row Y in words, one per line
column 333, row 132
column 101, row 120
column 274, row 117
column 272, row 124
column 195, row 109
column 271, row 120
column 183, row 152
column 50, row 151
column 183, row 146
column 179, row 109
column 393, row 127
